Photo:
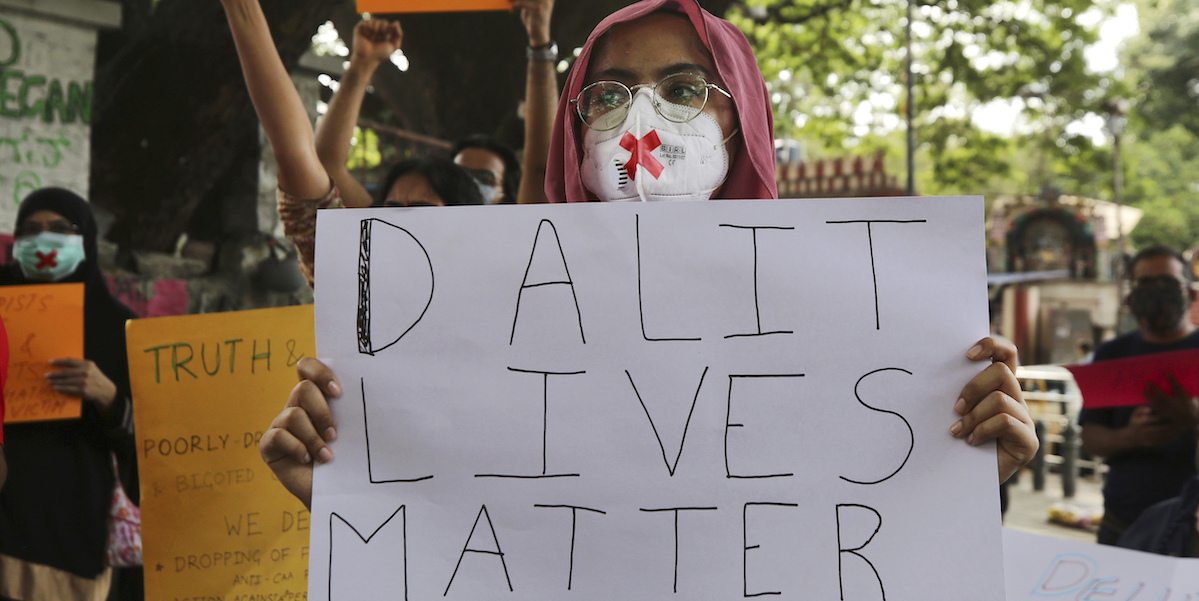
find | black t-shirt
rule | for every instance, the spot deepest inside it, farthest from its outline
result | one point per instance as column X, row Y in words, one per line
column 1141, row 477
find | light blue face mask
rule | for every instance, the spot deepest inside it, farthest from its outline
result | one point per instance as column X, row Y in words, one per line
column 49, row 257
column 490, row 193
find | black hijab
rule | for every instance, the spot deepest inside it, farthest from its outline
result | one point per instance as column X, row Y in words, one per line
column 54, row 506
column 103, row 316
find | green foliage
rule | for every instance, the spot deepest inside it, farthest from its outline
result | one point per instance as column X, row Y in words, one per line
column 1167, row 56
column 835, row 70
column 1163, row 174
column 836, row 66
column 964, row 160
column 364, row 151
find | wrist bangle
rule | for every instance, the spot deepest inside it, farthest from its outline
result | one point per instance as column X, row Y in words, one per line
column 546, row 53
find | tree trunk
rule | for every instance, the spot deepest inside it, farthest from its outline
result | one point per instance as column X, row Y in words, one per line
column 174, row 128
column 175, row 138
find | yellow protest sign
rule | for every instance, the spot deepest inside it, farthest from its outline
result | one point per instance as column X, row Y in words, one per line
column 430, row 6
column 44, row 322
column 216, row 524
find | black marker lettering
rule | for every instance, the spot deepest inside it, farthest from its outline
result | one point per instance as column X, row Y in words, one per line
column 728, row 425
column 757, row 297
column 545, row 410
column 670, row 467
column 842, row 549
column 366, row 344
column 676, row 511
column 747, row 547
column 466, row 549
column 562, row 279
column 641, row 298
column 870, row 239
column 367, row 540
column 574, row 523
column 911, row 434
column 367, row 429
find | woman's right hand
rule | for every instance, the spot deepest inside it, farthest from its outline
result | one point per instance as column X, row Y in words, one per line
column 302, row 430
column 375, row 40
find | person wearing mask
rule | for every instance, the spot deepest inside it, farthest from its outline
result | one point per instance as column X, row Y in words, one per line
column 671, row 70
column 1149, row 449
column 3, row 382
column 493, row 165
column 55, row 505
column 420, row 182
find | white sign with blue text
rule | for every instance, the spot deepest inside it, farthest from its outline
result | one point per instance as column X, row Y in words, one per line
column 705, row 401
column 1043, row 568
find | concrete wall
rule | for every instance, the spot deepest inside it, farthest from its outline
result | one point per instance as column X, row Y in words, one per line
column 47, row 61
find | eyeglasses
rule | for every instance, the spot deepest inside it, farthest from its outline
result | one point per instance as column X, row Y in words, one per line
column 680, row 98
column 1158, row 281
column 33, row 228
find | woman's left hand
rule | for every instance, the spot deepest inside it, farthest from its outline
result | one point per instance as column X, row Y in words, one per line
column 81, row 378
column 992, row 407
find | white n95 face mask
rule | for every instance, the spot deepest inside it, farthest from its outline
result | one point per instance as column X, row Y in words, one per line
column 652, row 158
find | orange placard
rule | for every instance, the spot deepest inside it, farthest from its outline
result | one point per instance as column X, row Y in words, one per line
column 216, row 524
column 44, row 322
column 430, row 6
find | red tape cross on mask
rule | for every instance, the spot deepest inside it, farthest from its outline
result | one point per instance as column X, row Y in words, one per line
column 44, row 260
column 642, row 153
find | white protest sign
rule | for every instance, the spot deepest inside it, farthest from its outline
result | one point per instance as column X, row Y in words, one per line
column 1042, row 567
column 654, row 401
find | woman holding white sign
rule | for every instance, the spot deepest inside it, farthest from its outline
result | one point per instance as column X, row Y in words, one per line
column 660, row 73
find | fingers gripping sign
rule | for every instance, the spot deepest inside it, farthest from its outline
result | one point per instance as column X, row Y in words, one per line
column 82, row 378
column 992, row 407
column 303, row 429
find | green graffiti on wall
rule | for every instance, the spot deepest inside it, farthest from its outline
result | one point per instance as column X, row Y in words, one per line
column 24, row 95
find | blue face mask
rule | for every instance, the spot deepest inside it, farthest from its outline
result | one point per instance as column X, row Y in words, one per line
column 490, row 194
column 49, row 257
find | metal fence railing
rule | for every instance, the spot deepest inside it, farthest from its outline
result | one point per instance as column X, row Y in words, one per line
column 1054, row 402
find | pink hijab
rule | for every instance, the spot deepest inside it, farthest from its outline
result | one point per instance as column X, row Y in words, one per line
column 750, row 176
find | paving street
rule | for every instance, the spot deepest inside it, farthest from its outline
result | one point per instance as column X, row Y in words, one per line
column 1028, row 510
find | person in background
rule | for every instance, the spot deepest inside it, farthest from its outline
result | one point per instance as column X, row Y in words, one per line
column 1150, row 449
column 3, row 381
column 420, row 182
column 1169, row 527
column 55, row 505
column 427, row 182
column 493, row 165
column 658, row 45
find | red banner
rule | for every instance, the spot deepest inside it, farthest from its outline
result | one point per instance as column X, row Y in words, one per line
column 1123, row 382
